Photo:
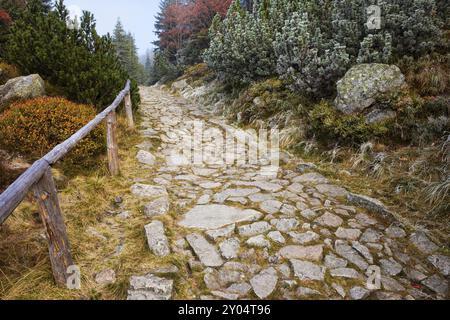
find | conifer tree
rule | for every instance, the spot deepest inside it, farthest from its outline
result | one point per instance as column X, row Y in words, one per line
column 81, row 63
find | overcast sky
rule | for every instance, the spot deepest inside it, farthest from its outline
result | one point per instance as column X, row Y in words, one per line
column 137, row 16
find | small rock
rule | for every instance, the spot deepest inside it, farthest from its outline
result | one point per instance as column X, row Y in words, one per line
column 312, row 178
column 437, row 284
column 276, row 237
column 395, row 232
column 156, row 239
column 157, row 207
column 146, row 157
column 150, row 287
column 391, row 267
column 242, row 289
column 306, row 270
column 333, row 262
column 106, row 277
column 332, row 191
column 363, row 250
column 210, row 185
column 309, row 214
column 285, row 225
column 205, row 251
column 390, row 284
column 441, row 262
column 148, row 191
column 312, row 253
column 271, row 206
column 359, row 293
column 372, row 236
column 421, row 241
column 304, row 238
column 345, row 273
column 254, row 229
column 221, row 233
column 329, row 220
column 348, row 234
column 258, row 242
column 285, row 270
column 264, row 283
column 344, row 250
column 229, row 248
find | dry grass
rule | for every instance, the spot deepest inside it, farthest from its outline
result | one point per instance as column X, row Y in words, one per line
column 87, row 201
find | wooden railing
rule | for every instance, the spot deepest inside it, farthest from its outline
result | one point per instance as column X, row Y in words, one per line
column 38, row 179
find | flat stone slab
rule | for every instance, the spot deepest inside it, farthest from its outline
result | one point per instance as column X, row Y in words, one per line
column 210, row 217
column 313, row 177
column 221, row 233
column 264, row 283
column 206, row 252
column 423, row 243
column 254, row 229
column 305, row 270
column 313, row 253
column 146, row 157
column 157, row 207
column 346, row 251
column 150, row 287
column 332, row 190
column 156, row 239
column 148, row 191
column 441, row 262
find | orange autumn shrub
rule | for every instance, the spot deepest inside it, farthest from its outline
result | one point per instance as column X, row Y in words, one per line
column 32, row 128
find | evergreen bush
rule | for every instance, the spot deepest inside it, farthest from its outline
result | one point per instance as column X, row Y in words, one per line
column 79, row 61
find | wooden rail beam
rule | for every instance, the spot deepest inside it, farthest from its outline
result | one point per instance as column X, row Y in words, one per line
column 46, row 197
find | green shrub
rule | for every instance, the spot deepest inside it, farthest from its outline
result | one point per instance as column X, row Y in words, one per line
column 241, row 49
column 33, row 127
column 330, row 125
column 309, row 62
column 274, row 101
column 163, row 70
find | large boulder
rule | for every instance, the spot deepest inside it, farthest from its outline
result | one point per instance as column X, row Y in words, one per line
column 21, row 88
column 363, row 84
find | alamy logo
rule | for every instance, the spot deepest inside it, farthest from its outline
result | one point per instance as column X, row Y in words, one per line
column 373, row 278
column 373, row 17
column 74, row 278
column 213, row 146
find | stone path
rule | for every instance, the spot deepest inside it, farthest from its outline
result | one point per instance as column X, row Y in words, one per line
column 244, row 234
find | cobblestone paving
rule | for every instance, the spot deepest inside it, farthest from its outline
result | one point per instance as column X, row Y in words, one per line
column 249, row 235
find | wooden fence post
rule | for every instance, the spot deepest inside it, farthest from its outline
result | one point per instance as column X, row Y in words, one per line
column 129, row 110
column 46, row 196
column 111, row 140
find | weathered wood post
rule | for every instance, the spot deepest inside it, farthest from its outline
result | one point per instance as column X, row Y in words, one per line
column 111, row 140
column 129, row 110
column 46, row 197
